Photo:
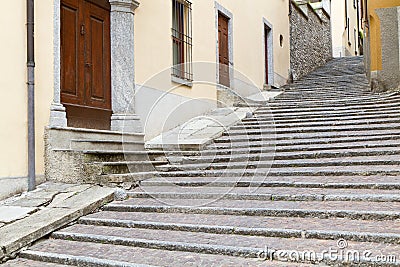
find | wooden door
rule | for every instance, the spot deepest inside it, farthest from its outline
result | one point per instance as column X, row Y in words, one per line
column 223, row 44
column 86, row 63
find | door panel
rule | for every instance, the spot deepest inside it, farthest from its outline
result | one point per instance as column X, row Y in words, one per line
column 70, row 50
column 86, row 63
column 223, row 44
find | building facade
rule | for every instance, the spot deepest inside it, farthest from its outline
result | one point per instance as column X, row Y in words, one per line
column 310, row 36
column 347, row 39
column 381, row 20
column 112, row 66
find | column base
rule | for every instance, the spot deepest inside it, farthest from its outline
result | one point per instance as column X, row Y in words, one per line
column 127, row 123
column 58, row 115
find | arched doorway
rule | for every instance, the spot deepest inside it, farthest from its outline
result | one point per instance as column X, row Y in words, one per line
column 86, row 63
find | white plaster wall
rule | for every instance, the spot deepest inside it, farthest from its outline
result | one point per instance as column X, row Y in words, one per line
column 153, row 52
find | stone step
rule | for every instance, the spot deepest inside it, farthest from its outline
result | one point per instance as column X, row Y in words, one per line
column 277, row 109
column 324, row 182
column 309, row 97
column 314, row 101
column 265, row 193
column 102, row 254
column 115, row 155
column 279, row 125
column 322, row 118
column 103, row 168
column 268, row 161
column 106, row 145
column 20, row 262
column 209, row 243
column 309, row 138
column 313, row 129
column 238, row 171
column 345, row 155
column 330, row 114
column 355, row 210
column 309, row 228
column 323, row 144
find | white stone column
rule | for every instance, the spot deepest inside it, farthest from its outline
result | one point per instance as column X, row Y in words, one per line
column 58, row 115
column 122, row 66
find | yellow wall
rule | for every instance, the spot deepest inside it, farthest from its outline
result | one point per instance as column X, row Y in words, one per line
column 13, row 103
column 375, row 32
column 153, row 43
column 13, row 97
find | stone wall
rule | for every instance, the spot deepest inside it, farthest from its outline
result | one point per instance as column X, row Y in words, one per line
column 310, row 38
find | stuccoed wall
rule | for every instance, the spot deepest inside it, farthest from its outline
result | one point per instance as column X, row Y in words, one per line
column 310, row 39
column 388, row 78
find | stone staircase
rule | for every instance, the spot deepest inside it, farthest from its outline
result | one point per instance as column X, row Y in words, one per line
column 313, row 178
column 95, row 156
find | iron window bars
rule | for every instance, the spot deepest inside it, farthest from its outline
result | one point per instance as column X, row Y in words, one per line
column 182, row 39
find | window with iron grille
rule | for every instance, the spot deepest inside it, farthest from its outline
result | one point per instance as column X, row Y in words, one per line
column 182, row 39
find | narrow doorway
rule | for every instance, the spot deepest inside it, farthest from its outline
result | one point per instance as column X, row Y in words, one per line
column 223, row 45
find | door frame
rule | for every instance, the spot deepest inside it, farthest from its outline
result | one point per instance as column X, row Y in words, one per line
column 219, row 9
column 270, row 44
column 124, row 118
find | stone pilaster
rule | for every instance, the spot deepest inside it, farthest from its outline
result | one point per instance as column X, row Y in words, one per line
column 122, row 66
column 58, row 115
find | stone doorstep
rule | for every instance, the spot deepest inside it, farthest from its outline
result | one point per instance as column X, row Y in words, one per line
column 64, row 210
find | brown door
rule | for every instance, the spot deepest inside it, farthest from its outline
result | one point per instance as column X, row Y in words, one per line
column 223, row 44
column 266, row 34
column 85, row 63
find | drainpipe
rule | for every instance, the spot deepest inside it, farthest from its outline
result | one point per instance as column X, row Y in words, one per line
column 31, row 94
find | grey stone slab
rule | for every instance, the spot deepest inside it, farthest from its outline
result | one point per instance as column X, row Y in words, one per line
column 22, row 232
column 11, row 213
column 30, row 202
